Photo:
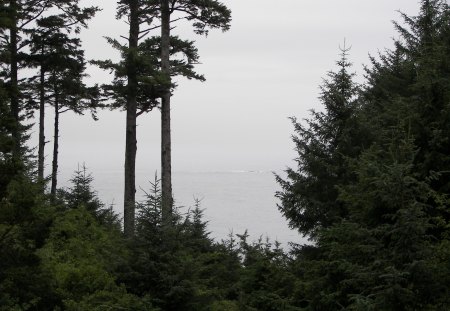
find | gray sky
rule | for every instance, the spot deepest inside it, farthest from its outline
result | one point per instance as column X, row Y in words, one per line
column 266, row 68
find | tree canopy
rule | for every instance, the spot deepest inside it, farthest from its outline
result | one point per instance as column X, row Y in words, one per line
column 369, row 188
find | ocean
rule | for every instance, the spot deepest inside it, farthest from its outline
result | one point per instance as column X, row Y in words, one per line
column 233, row 201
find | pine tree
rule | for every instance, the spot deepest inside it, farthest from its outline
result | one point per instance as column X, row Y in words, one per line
column 203, row 15
column 66, row 88
column 42, row 40
column 141, row 94
column 135, row 86
column 62, row 67
column 18, row 22
column 7, row 167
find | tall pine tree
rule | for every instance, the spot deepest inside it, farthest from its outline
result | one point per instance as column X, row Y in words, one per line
column 68, row 19
column 203, row 15
column 139, row 83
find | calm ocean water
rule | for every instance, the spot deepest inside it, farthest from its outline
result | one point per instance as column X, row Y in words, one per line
column 233, row 201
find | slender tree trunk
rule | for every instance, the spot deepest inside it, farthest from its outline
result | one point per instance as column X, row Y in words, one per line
column 166, row 147
column 55, row 149
column 131, row 141
column 41, row 146
column 14, row 95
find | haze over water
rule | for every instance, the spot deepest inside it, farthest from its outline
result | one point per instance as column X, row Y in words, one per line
column 233, row 201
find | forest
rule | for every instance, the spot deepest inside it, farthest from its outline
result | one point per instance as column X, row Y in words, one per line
column 370, row 188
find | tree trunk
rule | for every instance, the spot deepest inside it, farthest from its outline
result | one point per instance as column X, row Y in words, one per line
column 14, row 91
column 166, row 148
column 41, row 145
column 131, row 141
column 55, row 149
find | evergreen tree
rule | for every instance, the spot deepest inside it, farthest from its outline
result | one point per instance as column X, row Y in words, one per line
column 426, row 41
column 417, row 72
column 24, row 222
column 62, row 67
column 413, row 80
column 18, row 22
column 42, row 40
column 203, row 15
column 380, row 256
column 133, row 88
column 82, row 195
column 68, row 93
column 265, row 282
column 209, row 14
column 178, row 267
column 387, row 253
column 7, row 167
column 309, row 194
column 162, row 265
column 147, row 84
column 81, row 258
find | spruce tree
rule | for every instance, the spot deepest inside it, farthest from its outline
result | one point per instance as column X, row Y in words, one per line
column 425, row 40
column 81, row 194
column 412, row 82
column 380, row 257
column 389, row 251
column 309, row 194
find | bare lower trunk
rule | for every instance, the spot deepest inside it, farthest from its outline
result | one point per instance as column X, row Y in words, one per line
column 166, row 160
column 166, row 147
column 131, row 141
column 130, row 171
column 41, row 145
column 55, row 151
column 15, row 110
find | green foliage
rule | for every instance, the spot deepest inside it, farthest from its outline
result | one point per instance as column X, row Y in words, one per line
column 266, row 281
column 204, row 15
column 26, row 19
column 7, row 164
column 417, row 71
column 309, row 194
column 151, row 82
column 115, row 299
column 178, row 267
column 148, row 78
column 224, row 305
column 378, row 257
column 60, row 57
column 80, row 256
column 83, row 252
column 82, row 195
column 386, row 251
column 370, row 189
column 168, row 259
column 24, row 221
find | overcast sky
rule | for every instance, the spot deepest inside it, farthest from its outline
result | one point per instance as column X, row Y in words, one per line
column 267, row 68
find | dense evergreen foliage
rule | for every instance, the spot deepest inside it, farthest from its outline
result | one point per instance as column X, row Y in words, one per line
column 324, row 145
column 370, row 188
column 379, row 216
